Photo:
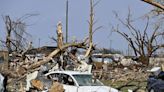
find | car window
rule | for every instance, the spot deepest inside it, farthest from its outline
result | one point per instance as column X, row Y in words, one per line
column 54, row 77
column 87, row 80
column 66, row 79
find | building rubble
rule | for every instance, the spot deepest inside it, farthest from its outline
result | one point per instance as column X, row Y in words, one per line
column 26, row 71
column 121, row 69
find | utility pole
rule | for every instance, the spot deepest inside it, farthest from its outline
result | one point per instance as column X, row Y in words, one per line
column 128, row 50
column 110, row 43
column 66, row 21
column 39, row 43
column 91, row 21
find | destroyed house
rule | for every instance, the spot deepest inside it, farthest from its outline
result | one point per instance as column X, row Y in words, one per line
column 46, row 50
column 36, row 54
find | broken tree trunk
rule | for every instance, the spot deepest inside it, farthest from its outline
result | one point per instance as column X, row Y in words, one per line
column 91, row 23
column 54, row 53
column 89, row 50
column 59, row 35
column 8, row 24
column 60, row 40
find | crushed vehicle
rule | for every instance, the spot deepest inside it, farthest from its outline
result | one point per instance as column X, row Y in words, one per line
column 75, row 81
column 155, row 82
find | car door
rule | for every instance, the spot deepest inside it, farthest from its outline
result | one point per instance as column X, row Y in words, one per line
column 68, row 83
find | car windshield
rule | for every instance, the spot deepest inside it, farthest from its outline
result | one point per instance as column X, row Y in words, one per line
column 87, row 80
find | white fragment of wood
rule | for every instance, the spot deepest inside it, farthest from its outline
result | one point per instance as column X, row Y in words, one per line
column 155, row 70
column 1, row 83
column 30, row 77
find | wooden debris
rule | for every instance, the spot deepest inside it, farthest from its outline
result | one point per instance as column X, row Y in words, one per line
column 22, row 89
column 162, row 67
column 37, row 84
column 54, row 53
column 56, row 87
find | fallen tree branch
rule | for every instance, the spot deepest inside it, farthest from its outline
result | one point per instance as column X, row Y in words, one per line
column 154, row 4
column 54, row 53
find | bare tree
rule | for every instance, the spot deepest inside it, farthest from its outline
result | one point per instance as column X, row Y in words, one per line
column 92, row 22
column 61, row 48
column 8, row 24
column 16, row 38
column 143, row 43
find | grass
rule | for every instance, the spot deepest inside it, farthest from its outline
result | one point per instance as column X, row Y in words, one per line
column 132, row 86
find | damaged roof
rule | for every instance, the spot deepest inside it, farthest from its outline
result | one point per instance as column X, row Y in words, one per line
column 42, row 50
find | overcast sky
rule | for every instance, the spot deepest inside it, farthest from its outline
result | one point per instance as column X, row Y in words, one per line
column 50, row 12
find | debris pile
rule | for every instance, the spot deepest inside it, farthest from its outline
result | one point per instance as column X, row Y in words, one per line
column 25, row 71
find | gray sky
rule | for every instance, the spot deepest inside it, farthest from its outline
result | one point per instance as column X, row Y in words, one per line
column 50, row 12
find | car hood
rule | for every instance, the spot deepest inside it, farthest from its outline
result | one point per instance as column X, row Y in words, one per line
column 97, row 89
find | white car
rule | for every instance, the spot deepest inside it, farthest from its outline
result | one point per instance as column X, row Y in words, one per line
column 74, row 81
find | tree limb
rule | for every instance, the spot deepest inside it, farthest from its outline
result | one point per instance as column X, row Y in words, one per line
column 54, row 53
column 154, row 4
